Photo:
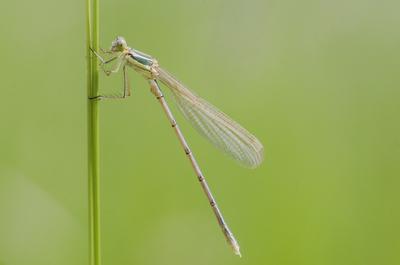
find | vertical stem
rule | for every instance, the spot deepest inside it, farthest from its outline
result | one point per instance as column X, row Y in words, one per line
column 92, row 40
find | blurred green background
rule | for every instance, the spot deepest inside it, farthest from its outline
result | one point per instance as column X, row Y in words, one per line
column 316, row 81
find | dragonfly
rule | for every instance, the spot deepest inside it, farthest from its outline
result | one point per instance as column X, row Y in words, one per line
column 223, row 132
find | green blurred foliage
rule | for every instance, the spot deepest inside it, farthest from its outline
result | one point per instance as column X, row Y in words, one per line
column 316, row 81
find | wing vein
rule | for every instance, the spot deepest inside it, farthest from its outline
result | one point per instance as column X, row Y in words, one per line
column 216, row 126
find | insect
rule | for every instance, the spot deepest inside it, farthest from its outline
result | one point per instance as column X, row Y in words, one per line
column 217, row 127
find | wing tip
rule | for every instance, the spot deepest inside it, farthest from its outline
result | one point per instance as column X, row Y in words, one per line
column 256, row 160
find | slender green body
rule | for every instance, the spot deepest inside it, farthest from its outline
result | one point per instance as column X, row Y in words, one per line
column 92, row 40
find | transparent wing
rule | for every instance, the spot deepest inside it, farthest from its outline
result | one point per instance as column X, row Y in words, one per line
column 216, row 126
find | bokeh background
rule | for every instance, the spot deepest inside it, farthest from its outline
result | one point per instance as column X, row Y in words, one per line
column 316, row 81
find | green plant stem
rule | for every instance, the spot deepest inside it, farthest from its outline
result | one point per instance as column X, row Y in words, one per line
column 92, row 40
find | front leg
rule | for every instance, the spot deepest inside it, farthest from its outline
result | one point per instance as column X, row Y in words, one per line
column 116, row 68
column 104, row 62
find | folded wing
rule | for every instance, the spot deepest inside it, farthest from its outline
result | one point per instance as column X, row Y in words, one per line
column 216, row 126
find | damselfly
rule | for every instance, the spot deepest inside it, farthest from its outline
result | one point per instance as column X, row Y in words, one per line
column 216, row 126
